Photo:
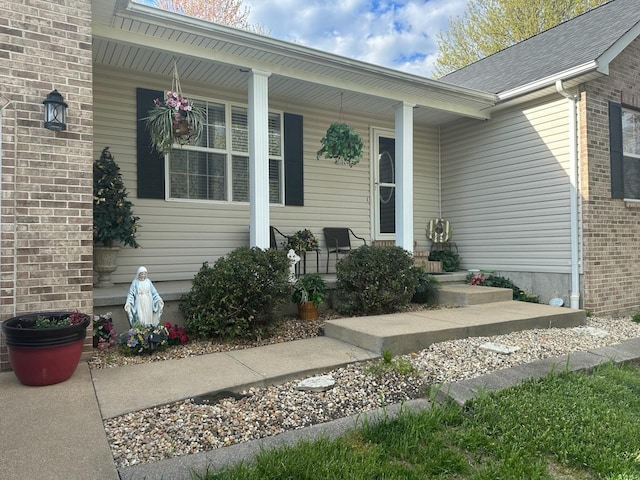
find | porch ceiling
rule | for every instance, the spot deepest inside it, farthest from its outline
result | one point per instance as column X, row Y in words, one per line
column 134, row 36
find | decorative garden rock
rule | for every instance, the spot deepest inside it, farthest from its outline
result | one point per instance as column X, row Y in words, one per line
column 320, row 383
column 499, row 348
column 594, row 332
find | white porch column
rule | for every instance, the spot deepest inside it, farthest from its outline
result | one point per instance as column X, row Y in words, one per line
column 259, row 159
column 404, row 176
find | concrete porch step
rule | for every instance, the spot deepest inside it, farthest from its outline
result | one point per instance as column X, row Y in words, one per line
column 410, row 332
column 462, row 295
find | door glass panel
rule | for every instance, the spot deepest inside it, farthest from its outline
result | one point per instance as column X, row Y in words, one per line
column 387, row 210
column 386, row 185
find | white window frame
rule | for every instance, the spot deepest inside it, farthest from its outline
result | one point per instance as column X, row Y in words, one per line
column 626, row 154
column 229, row 153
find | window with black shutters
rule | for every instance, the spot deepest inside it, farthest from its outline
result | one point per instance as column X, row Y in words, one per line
column 624, row 138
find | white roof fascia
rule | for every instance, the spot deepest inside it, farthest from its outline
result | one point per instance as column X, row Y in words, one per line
column 618, row 46
column 205, row 28
column 547, row 81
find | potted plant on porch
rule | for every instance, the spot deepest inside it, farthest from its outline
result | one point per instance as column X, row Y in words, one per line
column 45, row 347
column 309, row 292
column 113, row 219
column 341, row 143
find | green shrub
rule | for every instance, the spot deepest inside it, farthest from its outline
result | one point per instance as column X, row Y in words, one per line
column 492, row 280
column 450, row 261
column 502, row 282
column 636, row 317
column 426, row 289
column 374, row 280
column 238, row 295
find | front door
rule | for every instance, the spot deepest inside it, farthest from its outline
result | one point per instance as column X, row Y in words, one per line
column 384, row 185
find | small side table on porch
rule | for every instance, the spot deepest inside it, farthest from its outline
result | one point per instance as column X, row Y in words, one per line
column 303, row 262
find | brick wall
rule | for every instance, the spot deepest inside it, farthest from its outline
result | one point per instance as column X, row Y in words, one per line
column 46, row 190
column 611, row 227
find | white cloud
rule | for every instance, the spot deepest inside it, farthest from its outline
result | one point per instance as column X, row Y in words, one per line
column 395, row 34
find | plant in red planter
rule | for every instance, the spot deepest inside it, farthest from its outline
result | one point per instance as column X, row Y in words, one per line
column 45, row 347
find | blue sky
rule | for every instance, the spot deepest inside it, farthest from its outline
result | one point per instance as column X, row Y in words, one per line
column 395, row 34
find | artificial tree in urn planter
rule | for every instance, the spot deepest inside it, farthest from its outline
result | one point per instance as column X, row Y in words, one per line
column 114, row 224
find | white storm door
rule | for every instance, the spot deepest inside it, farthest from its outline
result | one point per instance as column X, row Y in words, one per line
column 384, row 170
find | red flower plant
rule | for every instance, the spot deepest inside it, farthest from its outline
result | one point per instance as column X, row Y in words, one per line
column 177, row 334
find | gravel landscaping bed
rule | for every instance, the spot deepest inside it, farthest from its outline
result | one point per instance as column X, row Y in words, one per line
column 187, row 427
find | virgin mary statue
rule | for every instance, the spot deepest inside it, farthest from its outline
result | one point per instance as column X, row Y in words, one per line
column 144, row 305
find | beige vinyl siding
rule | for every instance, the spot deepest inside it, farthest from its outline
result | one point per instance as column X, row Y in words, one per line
column 425, row 183
column 505, row 189
column 177, row 236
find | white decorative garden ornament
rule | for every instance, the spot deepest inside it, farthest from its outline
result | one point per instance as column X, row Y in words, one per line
column 294, row 258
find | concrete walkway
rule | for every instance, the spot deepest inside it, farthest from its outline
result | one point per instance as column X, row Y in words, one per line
column 56, row 432
column 53, row 432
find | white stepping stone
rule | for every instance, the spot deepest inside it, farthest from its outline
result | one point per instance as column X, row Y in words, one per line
column 594, row 332
column 321, row 383
column 499, row 348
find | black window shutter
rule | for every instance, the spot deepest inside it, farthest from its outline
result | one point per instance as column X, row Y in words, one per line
column 150, row 161
column 615, row 146
column 293, row 160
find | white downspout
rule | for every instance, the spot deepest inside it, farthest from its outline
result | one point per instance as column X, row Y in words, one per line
column 573, row 179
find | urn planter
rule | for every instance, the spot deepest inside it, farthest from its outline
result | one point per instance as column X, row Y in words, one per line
column 307, row 311
column 44, row 356
column 105, row 262
column 309, row 292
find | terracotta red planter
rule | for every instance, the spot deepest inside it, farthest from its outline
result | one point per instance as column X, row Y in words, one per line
column 44, row 356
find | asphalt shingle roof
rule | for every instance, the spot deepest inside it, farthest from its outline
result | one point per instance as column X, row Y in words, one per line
column 568, row 45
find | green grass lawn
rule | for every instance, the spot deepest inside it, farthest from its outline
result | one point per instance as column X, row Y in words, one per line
column 568, row 426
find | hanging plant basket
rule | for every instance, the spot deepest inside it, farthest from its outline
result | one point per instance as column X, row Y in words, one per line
column 175, row 120
column 342, row 144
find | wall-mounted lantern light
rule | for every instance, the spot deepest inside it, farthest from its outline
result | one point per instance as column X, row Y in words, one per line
column 55, row 113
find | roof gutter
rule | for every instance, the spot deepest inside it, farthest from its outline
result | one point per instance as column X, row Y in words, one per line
column 550, row 81
column 573, row 191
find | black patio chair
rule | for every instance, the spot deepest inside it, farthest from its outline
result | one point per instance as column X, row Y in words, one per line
column 338, row 241
column 273, row 243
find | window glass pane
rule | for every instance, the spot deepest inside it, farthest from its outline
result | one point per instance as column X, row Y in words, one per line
column 197, row 175
column 216, row 176
column 387, row 209
column 239, row 130
column 197, row 186
column 216, row 126
column 631, row 132
column 179, row 185
column 274, row 181
column 203, row 138
column 196, row 172
column 632, row 177
column 240, row 175
column 275, row 138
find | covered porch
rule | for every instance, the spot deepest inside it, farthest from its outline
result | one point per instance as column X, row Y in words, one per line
column 136, row 46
